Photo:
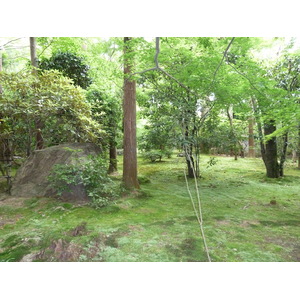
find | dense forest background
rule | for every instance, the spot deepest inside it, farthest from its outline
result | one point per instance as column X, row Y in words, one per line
column 235, row 96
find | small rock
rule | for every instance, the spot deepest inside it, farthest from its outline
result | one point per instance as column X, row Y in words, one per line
column 29, row 257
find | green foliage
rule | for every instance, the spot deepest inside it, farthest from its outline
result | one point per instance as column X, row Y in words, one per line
column 70, row 65
column 106, row 110
column 158, row 135
column 154, row 155
column 91, row 174
column 143, row 179
column 50, row 98
column 217, row 133
column 211, row 162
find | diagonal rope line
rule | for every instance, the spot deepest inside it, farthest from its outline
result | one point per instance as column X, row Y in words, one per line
column 199, row 212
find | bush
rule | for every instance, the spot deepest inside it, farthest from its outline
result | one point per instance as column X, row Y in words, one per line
column 143, row 179
column 156, row 155
column 153, row 155
column 91, row 174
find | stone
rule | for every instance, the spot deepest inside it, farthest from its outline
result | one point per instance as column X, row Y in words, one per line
column 32, row 177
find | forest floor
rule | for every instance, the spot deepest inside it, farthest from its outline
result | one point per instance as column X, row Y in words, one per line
column 247, row 217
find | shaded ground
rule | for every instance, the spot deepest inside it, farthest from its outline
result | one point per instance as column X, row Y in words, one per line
column 240, row 222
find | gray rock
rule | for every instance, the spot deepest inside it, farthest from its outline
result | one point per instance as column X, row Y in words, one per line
column 32, row 177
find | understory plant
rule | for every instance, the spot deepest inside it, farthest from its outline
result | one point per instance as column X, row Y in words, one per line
column 92, row 174
column 156, row 155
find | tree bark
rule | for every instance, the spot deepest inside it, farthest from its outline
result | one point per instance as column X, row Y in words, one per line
column 129, row 110
column 33, row 55
column 113, row 167
column 270, row 159
column 283, row 154
column 38, row 122
column 251, row 152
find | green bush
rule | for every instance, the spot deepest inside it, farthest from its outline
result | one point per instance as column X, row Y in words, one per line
column 156, row 155
column 153, row 155
column 91, row 174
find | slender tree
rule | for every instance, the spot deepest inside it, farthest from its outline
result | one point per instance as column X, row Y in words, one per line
column 38, row 122
column 129, row 122
column 251, row 137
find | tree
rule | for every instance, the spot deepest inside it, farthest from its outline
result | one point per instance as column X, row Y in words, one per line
column 38, row 123
column 65, row 113
column 286, row 72
column 129, row 121
column 271, row 108
column 70, row 65
column 107, row 112
column 251, row 141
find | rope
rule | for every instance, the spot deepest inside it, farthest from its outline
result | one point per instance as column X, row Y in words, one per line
column 199, row 212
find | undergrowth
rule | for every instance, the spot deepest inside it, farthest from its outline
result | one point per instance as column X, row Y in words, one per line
column 247, row 217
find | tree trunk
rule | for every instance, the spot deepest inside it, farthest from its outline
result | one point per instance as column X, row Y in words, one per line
column 188, row 150
column 112, row 158
column 191, row 166
column 283, row 154
column 38, row 123
column 251, row 152
column 294, row 156
column 234, row 149
column 129, row 110
column 33, row 55
column 268, row 149
column 270, row 158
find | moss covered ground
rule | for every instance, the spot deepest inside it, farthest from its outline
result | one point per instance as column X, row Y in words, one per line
column 247, row 217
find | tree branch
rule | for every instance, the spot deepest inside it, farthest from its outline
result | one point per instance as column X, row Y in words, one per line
column 224, row 55
column 158, row 68
column 10, row 42
column 222, row 60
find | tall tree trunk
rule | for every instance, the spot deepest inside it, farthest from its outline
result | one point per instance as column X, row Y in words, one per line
column 251, row 152
column 283, row 153
column 269, row 148
column 271, row 161
column 129, row 110
column 38, row 122
column 33, row 55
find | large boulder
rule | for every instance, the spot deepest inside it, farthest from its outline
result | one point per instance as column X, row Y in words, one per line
column 32, row 177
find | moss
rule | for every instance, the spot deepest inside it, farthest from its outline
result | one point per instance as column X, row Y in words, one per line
column 159, row 224
column 15, row 254
column 12, row 241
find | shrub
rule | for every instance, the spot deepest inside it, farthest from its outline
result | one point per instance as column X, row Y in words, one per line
column 156, row 155
column 153, row 155
column 91, row 174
